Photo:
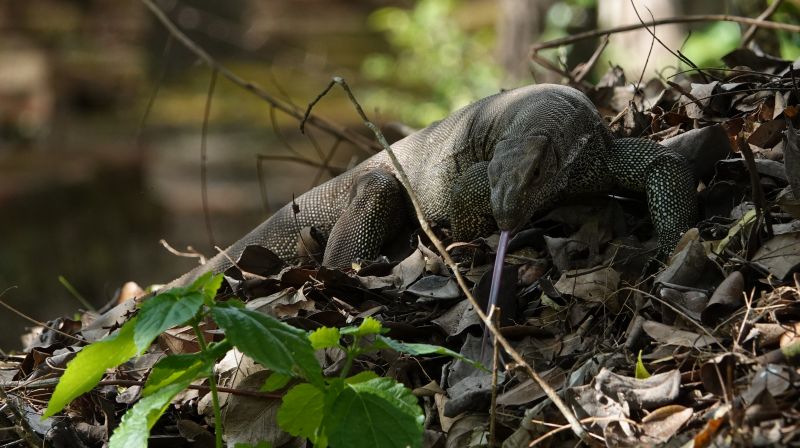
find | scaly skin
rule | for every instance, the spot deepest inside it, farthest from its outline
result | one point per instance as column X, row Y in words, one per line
column 491, row 164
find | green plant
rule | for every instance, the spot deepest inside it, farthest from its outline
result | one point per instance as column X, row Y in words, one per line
column 355, row 411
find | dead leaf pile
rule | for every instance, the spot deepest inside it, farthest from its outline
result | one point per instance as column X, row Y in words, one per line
column 716, row 326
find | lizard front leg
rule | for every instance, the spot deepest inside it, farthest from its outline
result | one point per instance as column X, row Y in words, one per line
column 371, row 217
column 470, row 211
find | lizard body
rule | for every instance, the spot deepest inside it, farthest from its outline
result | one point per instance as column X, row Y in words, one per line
column 493, row 163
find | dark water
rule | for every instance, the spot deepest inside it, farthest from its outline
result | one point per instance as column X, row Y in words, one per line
column 81, row 196
column 96, row 219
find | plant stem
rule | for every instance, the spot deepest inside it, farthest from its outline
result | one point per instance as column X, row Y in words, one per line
column 352, row 351
column 212, row 386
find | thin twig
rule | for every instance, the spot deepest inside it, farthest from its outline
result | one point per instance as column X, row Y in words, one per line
column 725, row 69
column 361, row 142
column 273, row 119
column 575, row 425
column 323, row 166
column 678, row 54
column 34, row 321
column 588, row 65
column 638, row 86
column 50, row 383
column 21, row 426
column 326, row 163
column 680, row 19
column 159, row 81
column 204, row 158
column 751, row 32
column 191, row 253
column 755, row 184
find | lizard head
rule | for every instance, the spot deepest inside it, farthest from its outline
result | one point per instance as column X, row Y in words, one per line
column 518, row 173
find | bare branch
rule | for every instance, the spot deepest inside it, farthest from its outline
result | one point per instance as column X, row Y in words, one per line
column 361, row 142
column 680, row 19
column 751, row 32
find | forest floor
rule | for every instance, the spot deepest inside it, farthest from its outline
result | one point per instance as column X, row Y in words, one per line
column 704, row 351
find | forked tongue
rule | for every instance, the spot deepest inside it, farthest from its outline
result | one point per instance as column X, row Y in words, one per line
column 494, row 291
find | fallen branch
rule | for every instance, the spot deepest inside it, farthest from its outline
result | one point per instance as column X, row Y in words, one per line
column 680, row 19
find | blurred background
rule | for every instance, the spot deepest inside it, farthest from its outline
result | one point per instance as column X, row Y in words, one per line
column 89, row 182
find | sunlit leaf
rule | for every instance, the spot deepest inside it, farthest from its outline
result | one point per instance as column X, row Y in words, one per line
column 88, row 366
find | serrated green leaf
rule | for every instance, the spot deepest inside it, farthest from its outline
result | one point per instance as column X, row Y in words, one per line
column 134, row 429
column 177, row 369
column 88, row 366
column 275, row 381
column 375, row 413
column 370, row 325
column 302, row 411
column 641, row 372
column 324, row 337
column 274, row 344
column 163, row 312
column 420, row 349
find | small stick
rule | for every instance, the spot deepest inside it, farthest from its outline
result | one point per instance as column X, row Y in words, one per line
column 751, row 32
column 587, row 67
column 34, row 321
column 203, row 158
column 150, row 101
column 679, row 55
column 755, row 184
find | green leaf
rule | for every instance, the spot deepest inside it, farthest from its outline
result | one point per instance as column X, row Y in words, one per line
column 207, row 285
column 370, row 325
column 302, row 411
column 274, row 344
column 177, row 369
column 420, row 349
column 641, row 372
column 261, row 444
column 134, row 428
column 275, row 381
column 163, row 312
column 375, row 413
column 88, row 366
column 361, row 377
column 324, row 337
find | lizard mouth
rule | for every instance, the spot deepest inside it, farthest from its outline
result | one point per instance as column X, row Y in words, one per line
column 517, row 170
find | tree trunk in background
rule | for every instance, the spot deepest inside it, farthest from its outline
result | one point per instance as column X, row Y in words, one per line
column 630, row 49
column 519, row 23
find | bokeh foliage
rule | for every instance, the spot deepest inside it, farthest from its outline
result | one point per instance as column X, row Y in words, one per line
column 438, row 61
column 437, row 65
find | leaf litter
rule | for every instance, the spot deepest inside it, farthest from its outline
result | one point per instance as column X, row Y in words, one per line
column 716, row 326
